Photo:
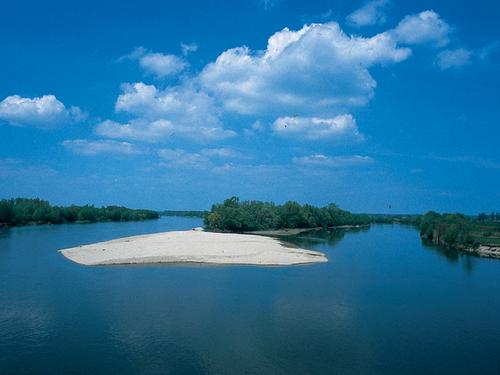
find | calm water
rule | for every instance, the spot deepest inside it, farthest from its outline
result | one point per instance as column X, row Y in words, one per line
column 384, row 304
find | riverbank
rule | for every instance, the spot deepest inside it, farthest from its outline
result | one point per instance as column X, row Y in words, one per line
column 488, row 251
column 296, row 231
column 193, row 247
column 281, row 232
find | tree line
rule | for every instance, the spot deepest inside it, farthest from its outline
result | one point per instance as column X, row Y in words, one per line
column 235, row 216
column 22, row 211
column 459, row 231
column 184, row 213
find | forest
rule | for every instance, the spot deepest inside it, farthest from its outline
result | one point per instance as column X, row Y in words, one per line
column 234, row 215
column 23, row 211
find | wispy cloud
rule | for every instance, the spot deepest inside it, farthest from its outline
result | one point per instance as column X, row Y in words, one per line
column 372, row 13
column 454, row 58
column 188, row 48
column 460, row 57
column 267, row 4
column 324, row 161
column 206, row 158
column 14, row 168
column 98, row 147
column 472, row 160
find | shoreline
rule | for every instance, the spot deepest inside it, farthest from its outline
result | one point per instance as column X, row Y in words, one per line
column 295, row 231
column 193, row 246
column 482, row 250
column 485, row 251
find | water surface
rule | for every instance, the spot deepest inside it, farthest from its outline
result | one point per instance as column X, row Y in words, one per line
column 383, row 304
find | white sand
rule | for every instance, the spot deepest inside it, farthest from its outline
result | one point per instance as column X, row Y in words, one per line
column 193, row 247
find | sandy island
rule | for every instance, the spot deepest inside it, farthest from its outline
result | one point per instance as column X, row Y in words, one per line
column 193, row 247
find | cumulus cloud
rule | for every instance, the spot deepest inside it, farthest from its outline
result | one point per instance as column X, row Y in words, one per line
column 44, row 112
column 342, row 127
column 317, row 69
column 309, row 80
column 423, row 28
column 372, row 13
column 453, row 58
column 158, row 64
column 88, row 147
column 179, row 112
column 320, row 160
column 162, row 65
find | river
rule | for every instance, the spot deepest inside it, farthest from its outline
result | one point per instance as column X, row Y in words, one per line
column 383, row 304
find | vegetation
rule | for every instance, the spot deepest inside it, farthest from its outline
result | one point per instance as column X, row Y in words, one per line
column 395, row 219
column 236, row 216
column 460, row 231
column 22, row 211
column 184, row 213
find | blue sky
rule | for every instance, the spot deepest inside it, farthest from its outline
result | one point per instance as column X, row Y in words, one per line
column 379, row 106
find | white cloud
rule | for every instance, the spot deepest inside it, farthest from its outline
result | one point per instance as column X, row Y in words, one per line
column 87, row 147
column 255, row 128
column 203, row 159
column 44, row 112
column 179, row 112
column 320, row 160
column 221, row 153
column 317, row 69
column 162, row 65
column 158, row 64
column 342, row 127
column 454, row 58
column 372, row 13
column 137, row 130
column 187, row 48
column 423, row 28
column 174, row 158
column 312, row 78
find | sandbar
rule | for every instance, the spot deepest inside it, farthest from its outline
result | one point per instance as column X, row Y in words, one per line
column 193, row 246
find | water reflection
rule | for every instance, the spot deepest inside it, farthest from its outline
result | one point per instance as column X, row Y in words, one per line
column 453, row 256
column 4, row 232
column 330, row 237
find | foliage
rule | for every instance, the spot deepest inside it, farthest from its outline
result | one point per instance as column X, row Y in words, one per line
column 184, row 213
column 235, row 216
column 21, row 211
column 457, row 230
column 395, row 219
